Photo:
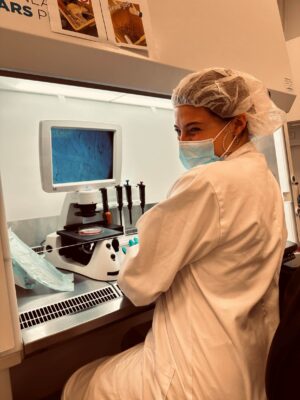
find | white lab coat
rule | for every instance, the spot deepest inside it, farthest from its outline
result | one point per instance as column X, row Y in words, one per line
column 209, row 256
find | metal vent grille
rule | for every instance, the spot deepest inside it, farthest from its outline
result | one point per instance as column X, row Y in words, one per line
column 118, row 289
column 69, row 306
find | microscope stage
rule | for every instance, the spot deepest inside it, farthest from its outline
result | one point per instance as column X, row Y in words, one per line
column 77, row 237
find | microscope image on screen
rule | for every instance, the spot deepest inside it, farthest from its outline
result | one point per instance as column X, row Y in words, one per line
column 82, row 159
column 80, row 155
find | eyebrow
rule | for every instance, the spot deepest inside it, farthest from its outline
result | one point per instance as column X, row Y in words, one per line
column 191, row 123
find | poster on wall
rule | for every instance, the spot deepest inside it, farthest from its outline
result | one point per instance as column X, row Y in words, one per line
column 127, row 24
column 80, row 18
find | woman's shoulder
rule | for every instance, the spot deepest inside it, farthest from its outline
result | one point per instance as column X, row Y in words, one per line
column 190, row 180
column 245, row 162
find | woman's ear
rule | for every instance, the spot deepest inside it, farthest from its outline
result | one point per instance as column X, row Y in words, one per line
column 239, row 124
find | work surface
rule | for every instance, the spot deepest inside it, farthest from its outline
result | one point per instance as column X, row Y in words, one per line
column 48, row 317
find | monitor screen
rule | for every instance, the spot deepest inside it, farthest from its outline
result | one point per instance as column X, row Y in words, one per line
column 79, row 155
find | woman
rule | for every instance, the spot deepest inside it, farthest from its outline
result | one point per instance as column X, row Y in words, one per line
column 208, row 256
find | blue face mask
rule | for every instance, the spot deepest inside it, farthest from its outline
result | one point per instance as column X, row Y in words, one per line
column 193, row 153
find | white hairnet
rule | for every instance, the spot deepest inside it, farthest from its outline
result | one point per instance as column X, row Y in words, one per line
column 228, row 93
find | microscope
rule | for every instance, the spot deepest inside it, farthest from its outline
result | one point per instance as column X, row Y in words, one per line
column 88, row 244
column 83, row 159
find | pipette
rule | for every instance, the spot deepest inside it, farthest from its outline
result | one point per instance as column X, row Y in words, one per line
column 119, row 190
column 106, row 213
column 142, row 195
column 129, row 200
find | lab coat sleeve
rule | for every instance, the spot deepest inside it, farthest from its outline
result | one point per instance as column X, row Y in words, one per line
column 176, row 232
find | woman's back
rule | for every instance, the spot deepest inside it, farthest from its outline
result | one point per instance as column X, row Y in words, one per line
column 215, row 323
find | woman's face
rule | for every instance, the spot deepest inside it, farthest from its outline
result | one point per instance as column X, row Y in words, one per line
column 197, row 123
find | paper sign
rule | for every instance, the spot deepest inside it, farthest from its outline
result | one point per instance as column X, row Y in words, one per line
column 120, row 22
column 80, row 18
column 125, row 22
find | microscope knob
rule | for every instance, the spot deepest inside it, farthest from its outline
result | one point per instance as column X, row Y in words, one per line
column 115, row 244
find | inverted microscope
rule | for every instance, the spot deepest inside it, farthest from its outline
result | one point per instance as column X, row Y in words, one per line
column 89, row 244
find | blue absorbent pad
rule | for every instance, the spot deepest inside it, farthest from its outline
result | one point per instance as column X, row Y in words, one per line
column 30, row 268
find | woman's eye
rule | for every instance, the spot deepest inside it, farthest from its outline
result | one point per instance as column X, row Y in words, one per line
column 194, row 130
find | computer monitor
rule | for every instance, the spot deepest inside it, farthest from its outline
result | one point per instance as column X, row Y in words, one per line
column 79, row 155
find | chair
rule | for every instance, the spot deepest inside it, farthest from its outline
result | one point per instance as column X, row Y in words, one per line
column 283, row 364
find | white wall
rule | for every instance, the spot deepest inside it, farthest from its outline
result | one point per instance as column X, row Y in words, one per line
column 245, row 35
column 149, row 148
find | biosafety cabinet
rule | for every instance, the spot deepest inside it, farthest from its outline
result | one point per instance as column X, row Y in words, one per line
column 45, row 75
